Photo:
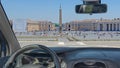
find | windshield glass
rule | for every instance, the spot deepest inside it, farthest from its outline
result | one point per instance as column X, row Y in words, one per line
column 55, row 23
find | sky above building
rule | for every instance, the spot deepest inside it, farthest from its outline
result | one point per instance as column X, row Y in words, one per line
column 20, row 10
column 49, row 10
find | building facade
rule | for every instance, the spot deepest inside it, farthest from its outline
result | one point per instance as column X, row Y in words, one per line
column 93, row 25
column 36, row 26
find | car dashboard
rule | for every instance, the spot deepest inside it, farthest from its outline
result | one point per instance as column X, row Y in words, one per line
column 81, row 57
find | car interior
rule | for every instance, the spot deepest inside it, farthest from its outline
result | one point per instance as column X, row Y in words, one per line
column 12, row 55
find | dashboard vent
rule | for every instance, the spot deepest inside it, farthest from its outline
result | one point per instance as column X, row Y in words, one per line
column 95, row 65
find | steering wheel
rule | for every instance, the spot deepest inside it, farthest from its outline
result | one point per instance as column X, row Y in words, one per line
column 10, row 63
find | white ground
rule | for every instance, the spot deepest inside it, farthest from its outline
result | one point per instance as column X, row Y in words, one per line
column 74, row 43
column 75, row 38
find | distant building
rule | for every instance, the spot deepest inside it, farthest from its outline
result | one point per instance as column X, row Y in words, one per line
column 93, row 25
column 36, row 26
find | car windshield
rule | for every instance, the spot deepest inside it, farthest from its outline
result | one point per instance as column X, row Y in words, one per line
column 55, row 23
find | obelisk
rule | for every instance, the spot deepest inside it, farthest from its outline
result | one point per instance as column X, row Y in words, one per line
column 60, row 20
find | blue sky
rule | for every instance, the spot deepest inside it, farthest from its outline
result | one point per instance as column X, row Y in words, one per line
column 49, row 9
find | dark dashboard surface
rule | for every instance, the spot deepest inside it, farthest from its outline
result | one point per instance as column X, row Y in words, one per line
column 71, row 57
column 110, row 57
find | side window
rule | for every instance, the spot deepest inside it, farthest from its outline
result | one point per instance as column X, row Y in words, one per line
column 4, row 48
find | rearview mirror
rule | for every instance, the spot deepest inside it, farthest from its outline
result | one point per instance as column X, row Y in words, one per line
column 89, row 9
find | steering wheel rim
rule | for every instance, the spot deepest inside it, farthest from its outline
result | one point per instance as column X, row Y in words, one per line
column 29, row 47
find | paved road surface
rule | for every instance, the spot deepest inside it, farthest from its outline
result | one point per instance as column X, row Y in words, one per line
column 65, row 41
column 74, row 43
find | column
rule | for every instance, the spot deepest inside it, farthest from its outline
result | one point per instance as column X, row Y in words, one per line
column 103, row 27
column 112, row 27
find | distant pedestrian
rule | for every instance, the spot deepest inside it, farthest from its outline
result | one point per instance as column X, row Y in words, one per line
column 98, row 37
column 84, row 36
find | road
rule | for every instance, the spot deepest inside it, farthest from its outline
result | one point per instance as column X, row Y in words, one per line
column 74, row 43
column 70, row 41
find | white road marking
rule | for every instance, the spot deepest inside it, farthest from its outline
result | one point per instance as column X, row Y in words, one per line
column 61, row 43
column 81, row 43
